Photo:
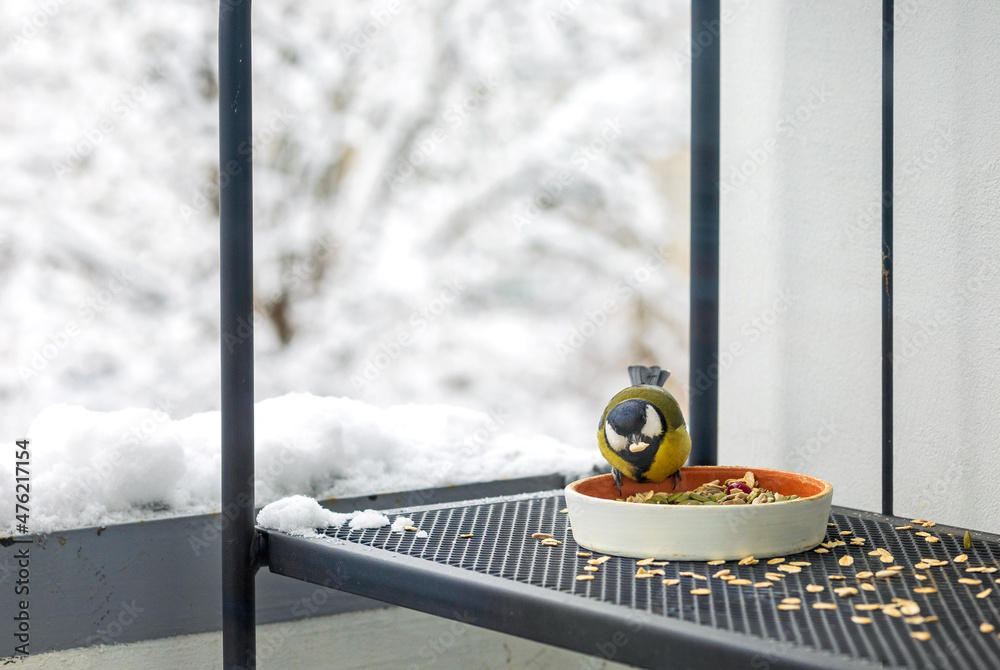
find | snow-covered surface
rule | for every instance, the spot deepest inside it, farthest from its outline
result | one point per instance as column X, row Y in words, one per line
column 471, row 202
column 91, row 468
column 301, row 515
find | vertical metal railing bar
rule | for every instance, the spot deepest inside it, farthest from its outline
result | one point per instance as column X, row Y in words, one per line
column 239, row 546
column 888, row 28
column 703, row 395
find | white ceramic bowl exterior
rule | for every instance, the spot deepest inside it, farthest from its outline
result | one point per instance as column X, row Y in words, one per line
column 697, row 532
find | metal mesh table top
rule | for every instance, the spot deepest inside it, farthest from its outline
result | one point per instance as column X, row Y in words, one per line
column 493, row 537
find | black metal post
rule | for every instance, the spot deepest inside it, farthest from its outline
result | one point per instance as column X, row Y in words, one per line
column 703, row 411
column 888, row 26
column 239, row 542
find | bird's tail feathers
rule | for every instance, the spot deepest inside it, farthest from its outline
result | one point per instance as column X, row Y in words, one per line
column 640, row 374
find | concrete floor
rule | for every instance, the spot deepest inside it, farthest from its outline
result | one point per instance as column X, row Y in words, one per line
column 369, row 640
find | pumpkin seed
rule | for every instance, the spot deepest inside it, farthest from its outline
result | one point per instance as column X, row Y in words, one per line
column 800, row 563
column 967, row 540
column 790, row 569
column 836, row 577
column 721, row 573
column 466, row 535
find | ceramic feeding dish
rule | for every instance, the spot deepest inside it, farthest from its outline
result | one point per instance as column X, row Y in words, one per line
column 695, row 532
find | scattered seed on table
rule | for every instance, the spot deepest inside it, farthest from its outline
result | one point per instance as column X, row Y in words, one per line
column 661, row 573
column 969, row 580
column 846, row 560
column 961, row 558
column 824, row 606
column 897, row 568
column 921, row 566
column 541, row 536
column 584, row 578
column 865, row 574
column 727, row 578
column 858, row 541
column 550, row 542
column 762, row 585
column 832, row 525
column 967, row 540
column 599, row 561
column 886, row 573
column 887, row 558
column 788, row 607
column 791, row 601
column 925, row 589
column 929, row 524
column 814, row 588
column 863, row 620
column 821, row 550
column 801, row 564
column 836, row 577
column 909, row 609
column 660, row 563
column 645, row 561
column 846, row 591
column 701, row 592
column 466, row 535
column 892, row 611
column 984, row 593
column 921, row 635
column 564, row 510
column 739, row 582
column 718, row 561
column 591, row 568
column 410, row 528
column 749, row 560
column 922, row 578
column 790, row 569
column 918, row 520
column 986, row 628
column 868, row 607
column 922, row 533
column 930, row 619
column 671, row 582
column 915, row 620
column 903, row 527
column 721, row 573
column 642, row 574
column 847, row 532
column 584, row 554
column 775, row 561
column 932, row 540
column 867, row 586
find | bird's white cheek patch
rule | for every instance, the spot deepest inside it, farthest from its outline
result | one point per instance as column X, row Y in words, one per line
column 653, row 425
column 615, row 441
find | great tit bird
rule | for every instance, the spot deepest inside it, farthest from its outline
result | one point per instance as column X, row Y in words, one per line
column 642, row 433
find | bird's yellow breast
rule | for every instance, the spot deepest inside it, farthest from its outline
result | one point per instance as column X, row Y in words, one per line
column 673, row 451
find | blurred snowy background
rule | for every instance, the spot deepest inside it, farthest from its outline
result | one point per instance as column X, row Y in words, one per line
column 476, row 203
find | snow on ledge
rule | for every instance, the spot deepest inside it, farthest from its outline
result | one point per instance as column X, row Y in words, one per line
column 98, row 468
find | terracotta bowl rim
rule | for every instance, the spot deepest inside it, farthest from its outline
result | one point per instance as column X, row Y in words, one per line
column 827, row 490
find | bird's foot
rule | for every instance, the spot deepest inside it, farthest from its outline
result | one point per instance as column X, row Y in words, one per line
column 677, row 479
column 616, row 477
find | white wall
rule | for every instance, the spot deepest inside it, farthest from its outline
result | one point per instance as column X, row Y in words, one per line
column 801, row 177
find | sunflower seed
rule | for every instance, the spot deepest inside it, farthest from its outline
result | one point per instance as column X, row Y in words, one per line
column 791, row 601
column 541, row 536
column 836, row 577
column 564, row 510
column 550, row 542
column 762, row 585
column 814, row 588
column 466, row 535
column 846, row 591
column 909, row 609
column 847, row 532
column 886, row 573
column 721, row 573
column 969, row 580
column 775, row 561
column 645, row 561
column 749, row 560
column 788, row 607
column 867, row 586
column 984, row 593
column 584, row 578
column 903, row 527
column 821, row 550
column 921, row 635
column 599, row 561
column 986, row 628
column 925, row 589
column 801, row 564
column 719, row 561
column 790, row 569
column 701, row 592
column 915, row 620
column 846, row 560
column 892, row 611
column 584, row 554
column 863, row 620
column 739, row 582
column 410, row 528
column 961, row 558
column 671, row 582
column 868, row 607
column 824, row 606
column 865, row 574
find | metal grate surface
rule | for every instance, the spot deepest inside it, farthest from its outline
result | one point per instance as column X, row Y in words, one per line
column 501, row 546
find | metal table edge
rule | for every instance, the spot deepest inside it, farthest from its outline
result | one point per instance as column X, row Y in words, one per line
column 605, row 630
